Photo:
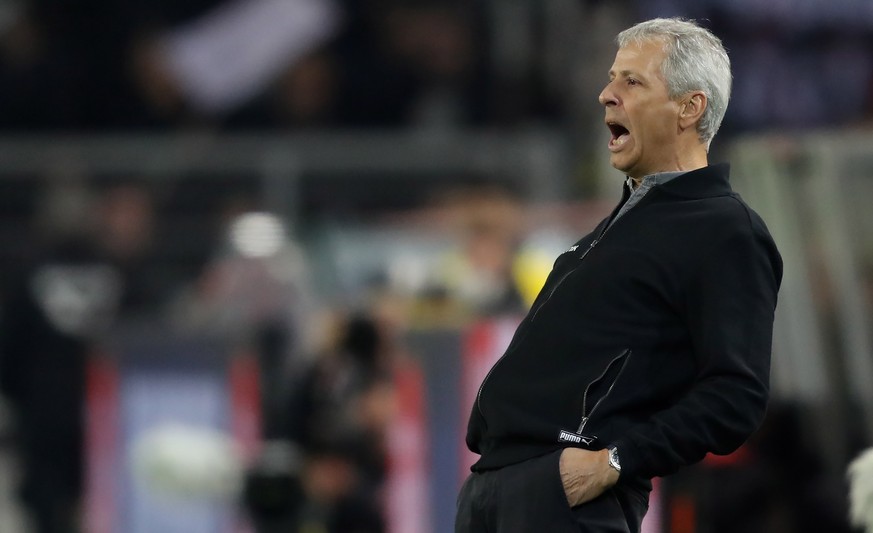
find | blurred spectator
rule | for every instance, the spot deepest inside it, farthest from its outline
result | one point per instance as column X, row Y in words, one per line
column 479, row 273
column 64, row 66
column 337, row 502
column 775, row 483
column 338, row 413
column 346, row 394
column 257, row 275
column 93, row 270
column 50, row 319
column 29, row 74
column 126, row 237
column 305, row 96
column 254, row 291
column 413, row 63
column 318, row 491
column 227, row 56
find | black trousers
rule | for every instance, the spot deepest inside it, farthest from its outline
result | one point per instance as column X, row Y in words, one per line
column 529, row 498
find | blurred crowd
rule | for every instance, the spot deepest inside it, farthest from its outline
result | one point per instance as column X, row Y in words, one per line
column 247, row 64
column 267, row 64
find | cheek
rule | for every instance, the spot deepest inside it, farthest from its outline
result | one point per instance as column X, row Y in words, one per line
column 659, row 126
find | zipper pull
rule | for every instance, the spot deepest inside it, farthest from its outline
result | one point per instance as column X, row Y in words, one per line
column 590, row 247
column 582, row 425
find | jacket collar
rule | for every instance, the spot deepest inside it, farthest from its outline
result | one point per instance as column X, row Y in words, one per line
column 704, row 182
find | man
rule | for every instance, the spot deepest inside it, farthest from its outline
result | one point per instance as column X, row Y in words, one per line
column 649, row 345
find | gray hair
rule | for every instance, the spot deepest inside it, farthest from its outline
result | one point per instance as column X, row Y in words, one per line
column 695, row 61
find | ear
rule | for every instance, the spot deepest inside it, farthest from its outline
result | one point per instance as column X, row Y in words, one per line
column 691, row 109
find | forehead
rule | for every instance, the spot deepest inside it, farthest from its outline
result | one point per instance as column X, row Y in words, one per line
column 644, row 57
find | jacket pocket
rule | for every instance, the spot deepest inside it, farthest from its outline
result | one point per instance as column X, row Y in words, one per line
column 595, row 393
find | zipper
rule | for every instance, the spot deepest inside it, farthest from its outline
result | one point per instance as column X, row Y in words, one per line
column 567, row 275
column 609, row 224
column 591, row 246
column 586, row 415
column 554, row 288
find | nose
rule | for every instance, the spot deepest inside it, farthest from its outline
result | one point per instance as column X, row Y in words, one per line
column 607, row 96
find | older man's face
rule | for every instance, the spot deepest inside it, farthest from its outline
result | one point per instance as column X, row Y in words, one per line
column 642, row 119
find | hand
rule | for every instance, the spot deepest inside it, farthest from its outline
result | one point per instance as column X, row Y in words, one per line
column 585, row 474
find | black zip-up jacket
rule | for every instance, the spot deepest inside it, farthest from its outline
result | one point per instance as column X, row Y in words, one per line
column 653, row 334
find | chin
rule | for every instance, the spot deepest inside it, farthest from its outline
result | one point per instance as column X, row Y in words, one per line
column 621, row 165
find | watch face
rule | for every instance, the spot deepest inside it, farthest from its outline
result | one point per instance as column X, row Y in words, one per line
column 613, row 458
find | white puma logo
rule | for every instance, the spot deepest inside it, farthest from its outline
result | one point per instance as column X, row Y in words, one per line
column 566, row 436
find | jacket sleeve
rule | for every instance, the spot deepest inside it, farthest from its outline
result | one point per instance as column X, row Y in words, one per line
column 729, row 310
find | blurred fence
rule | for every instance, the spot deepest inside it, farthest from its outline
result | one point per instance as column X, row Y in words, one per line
column 814, row 192
column 281, row 164
column 296, row 177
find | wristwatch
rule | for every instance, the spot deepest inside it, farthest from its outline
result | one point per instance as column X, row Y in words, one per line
column 613, row 458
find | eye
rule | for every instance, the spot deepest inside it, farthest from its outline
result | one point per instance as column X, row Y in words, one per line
column 632, row 81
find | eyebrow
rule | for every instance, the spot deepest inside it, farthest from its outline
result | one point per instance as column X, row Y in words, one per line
column 628, row 73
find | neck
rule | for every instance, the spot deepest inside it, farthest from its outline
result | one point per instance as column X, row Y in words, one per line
column 689, row 157
column 684, row 160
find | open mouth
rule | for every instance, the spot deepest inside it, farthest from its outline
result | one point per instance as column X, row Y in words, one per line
column 620, row 134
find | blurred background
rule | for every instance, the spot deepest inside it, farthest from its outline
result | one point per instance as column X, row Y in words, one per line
column 257, row 255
